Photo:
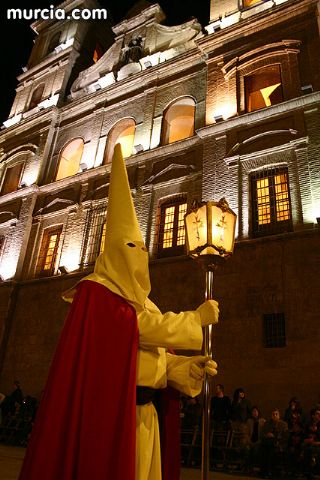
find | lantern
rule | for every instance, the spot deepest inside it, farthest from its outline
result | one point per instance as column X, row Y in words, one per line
column 210, row 232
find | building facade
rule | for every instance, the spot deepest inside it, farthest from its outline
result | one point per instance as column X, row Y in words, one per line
column 230, row 110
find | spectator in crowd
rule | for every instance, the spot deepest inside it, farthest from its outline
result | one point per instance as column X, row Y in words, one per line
column 220, row 409
column 240, row 411
column 2, row 397
column 274, row 441
column 191, row 412
column 311, row 445
column 255, row 424
column 295, row 442
column 294, row 413
column 12, row 401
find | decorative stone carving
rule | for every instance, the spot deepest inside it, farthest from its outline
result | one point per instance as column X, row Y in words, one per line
column 166, row 42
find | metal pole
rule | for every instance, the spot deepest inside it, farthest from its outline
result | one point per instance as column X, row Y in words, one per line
column 207, row 350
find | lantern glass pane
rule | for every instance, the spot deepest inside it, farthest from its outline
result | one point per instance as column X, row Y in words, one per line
column 222, row 229
column 196, row 226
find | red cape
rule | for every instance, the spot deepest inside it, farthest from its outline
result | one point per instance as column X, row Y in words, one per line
column 86, row 423
column 170, row 434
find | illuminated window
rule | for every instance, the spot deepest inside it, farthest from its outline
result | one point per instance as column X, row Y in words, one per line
column 123, row 133
column 97, row 53
column 178, row 121
column 271, row 210
column 171, row 228
column 263, row 88
column 94, row 238
column 70, row 158
column 36, row 96
column 11, row 179
column 48, row 252
column 250, row 3
column 274, row 329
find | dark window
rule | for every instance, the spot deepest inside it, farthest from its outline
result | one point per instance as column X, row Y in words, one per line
column 171, row 237
column 274, row 328
column 11, row 179
column 36, row 96
column 271, row 210
column 2, row 237
column 48, row 252
column 263, row 88
column 93, row 243
column 54, row 41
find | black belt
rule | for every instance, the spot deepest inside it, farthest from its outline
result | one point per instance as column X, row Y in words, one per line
column 145, row 395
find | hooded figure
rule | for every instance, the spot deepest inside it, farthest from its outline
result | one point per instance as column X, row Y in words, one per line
column 96, row 418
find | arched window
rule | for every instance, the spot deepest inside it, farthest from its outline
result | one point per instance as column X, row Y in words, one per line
column 70, row 158
column 178, row 121
column 263, row 88
column 11, row 178
column 123, row 133
column 54, row 41
column 98, row 52
column 36, row 96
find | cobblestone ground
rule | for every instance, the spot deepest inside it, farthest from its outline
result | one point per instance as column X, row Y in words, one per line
column 195, row 474
column 11, row 460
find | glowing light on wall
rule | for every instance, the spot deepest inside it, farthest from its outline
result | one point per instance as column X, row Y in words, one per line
column 8, row 267
column 13, row 120
column 225, row 110
column 49, row 102
column 315, row 212
column 70, row 258
column 30, row 175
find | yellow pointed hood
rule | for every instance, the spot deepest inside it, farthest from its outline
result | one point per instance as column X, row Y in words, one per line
column 123, row 265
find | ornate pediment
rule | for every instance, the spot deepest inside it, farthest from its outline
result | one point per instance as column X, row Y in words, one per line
column 56, row 204
column 57, row 201
column 141, row 42
column 10, row 211
column 6, row 216
column 171, row 171
column 262, row 141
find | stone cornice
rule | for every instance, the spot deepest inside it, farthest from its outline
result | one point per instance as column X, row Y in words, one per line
column 48, row 115
column 153, row 12
column 247, row 27
column 19, row 194
column 77, row 179
column 284, row 108
column 51, row 62
column 134, row 84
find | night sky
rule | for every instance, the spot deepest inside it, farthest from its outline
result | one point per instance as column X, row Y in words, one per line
column 17, row 37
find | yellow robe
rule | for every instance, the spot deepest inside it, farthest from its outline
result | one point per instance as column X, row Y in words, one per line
column 156, row 368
